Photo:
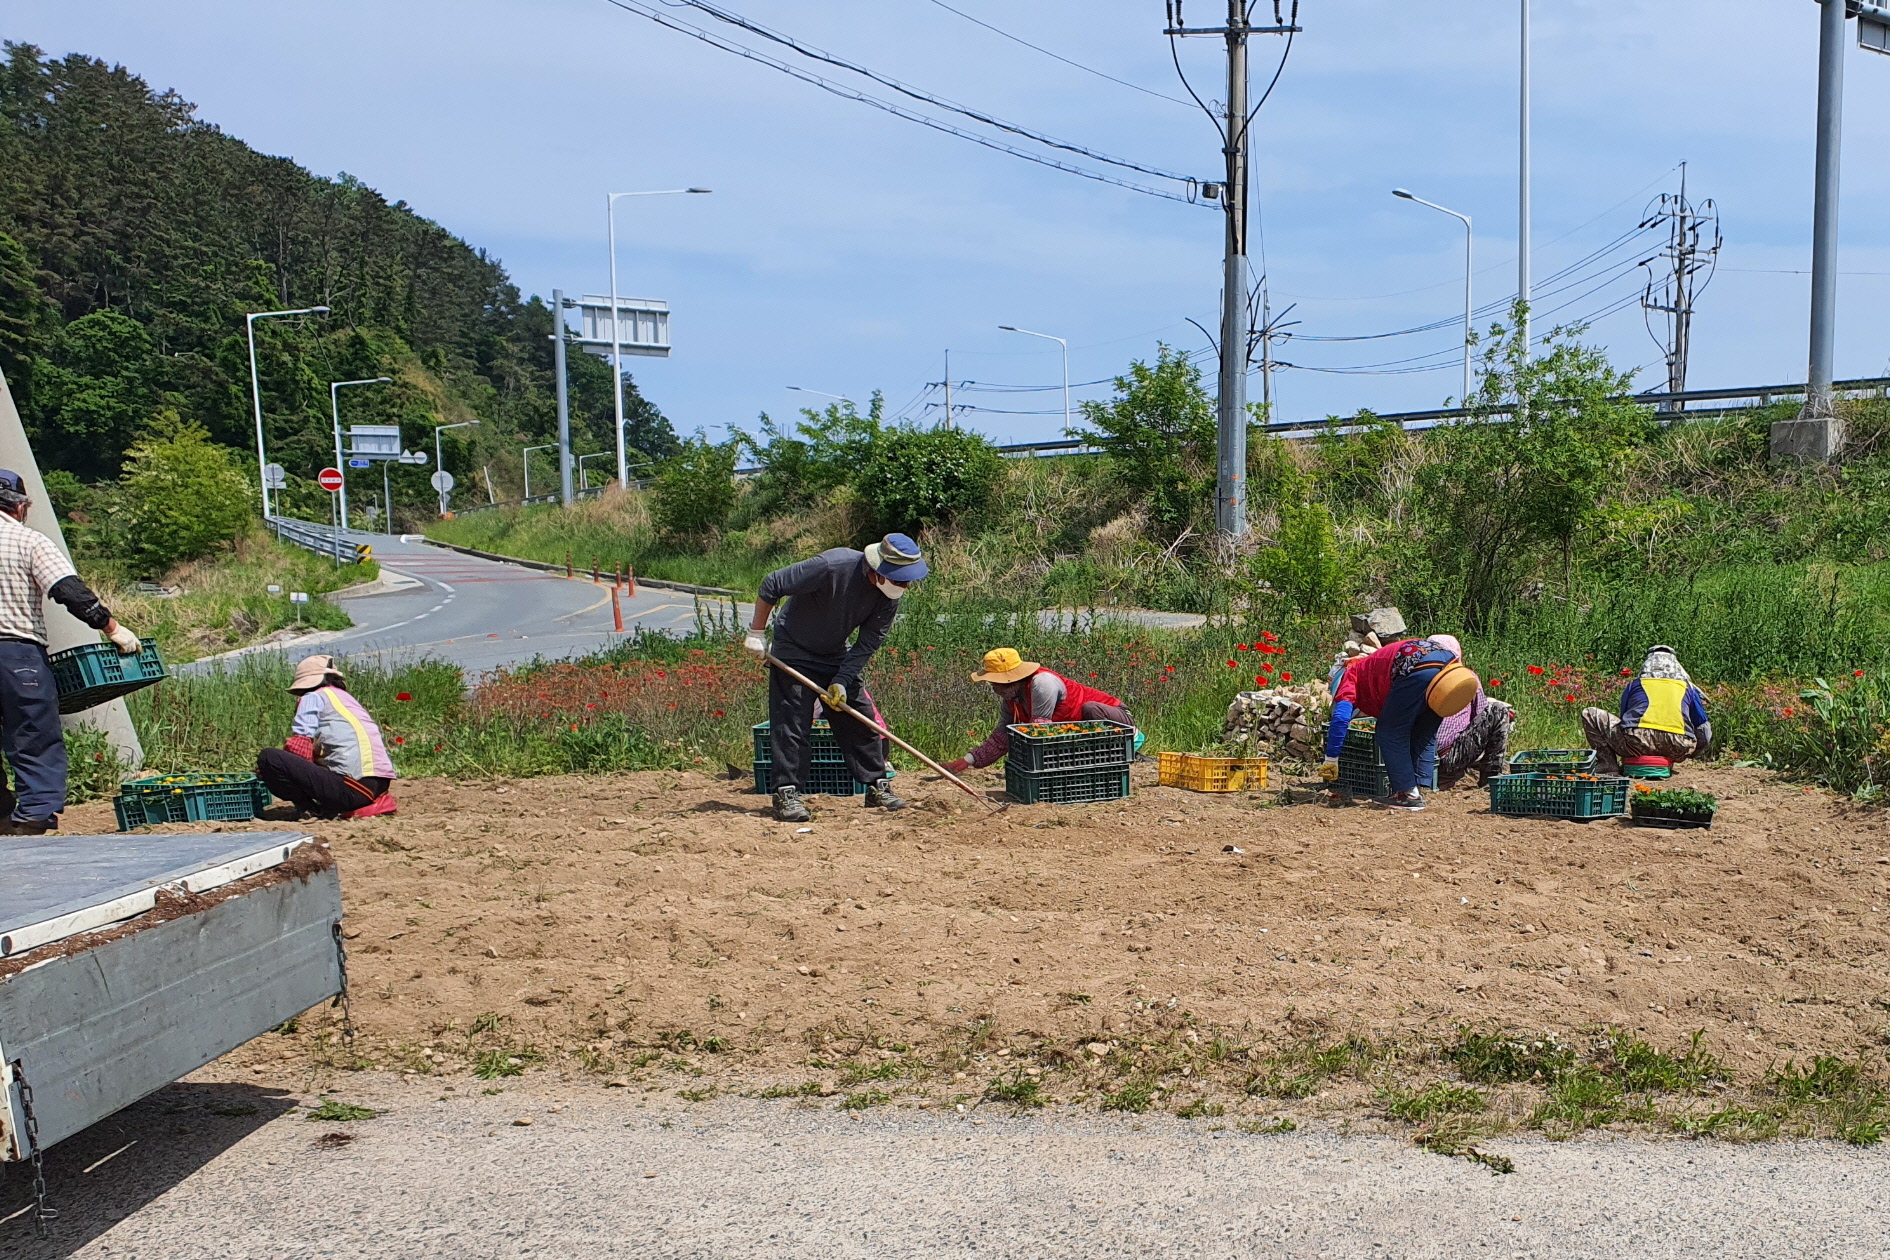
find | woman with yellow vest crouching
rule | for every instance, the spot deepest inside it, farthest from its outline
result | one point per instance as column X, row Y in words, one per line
column 1662, row 715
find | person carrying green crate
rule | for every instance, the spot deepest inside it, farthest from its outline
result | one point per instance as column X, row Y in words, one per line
column 33, row 570
column 1027, row 692
column 1662, row 715
column 334, row 763
column 829, row 597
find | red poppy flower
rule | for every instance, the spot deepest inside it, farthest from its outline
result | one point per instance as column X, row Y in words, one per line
column 1233, row 665
column 1788, row 713
column 1535, row 669
column 1269, row 636
column 1857, row 673
column 1093, row 675
column 1285, row 677
column 718, row 713
column 1259, row 680
column 400, row 739
column 405, row 695
column 1496, row 682
column 1240, row 647
column 1570, row 699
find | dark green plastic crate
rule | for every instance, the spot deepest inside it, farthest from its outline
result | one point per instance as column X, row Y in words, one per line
column 1551, row 796
column 190, row 798
column 823, row 779
column 1361, row 769
column 1553, row 761
column 1110, row 746
column 93, row 673
column 1065, row 787
column 822, row 747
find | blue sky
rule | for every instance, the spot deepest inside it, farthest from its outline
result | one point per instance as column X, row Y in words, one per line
column 844, row 250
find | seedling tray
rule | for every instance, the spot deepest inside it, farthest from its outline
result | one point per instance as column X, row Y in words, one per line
column 1672, row 819
column 1558, row 796
column 823, row 779
column 1070, row 746
column 1553, row 761
column 1065, row 787
column 190, row 798
column 91, row 674
column 1199, row 773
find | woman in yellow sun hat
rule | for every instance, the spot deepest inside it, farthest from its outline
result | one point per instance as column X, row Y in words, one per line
column 1027, row 692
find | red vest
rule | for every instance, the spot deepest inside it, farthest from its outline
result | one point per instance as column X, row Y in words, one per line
column 1075, row 696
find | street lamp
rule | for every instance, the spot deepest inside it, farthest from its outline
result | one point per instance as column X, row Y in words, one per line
column 549, row 446
column 1467, row 248
column 582, row 482
column 255, row 390
column 616, row 336
column 802, row 389
column 439, row 461
column 1066, row 365
column 334, row 409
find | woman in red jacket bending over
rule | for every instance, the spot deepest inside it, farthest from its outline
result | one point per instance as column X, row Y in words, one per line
column 1410, row 687
column 1027, row 692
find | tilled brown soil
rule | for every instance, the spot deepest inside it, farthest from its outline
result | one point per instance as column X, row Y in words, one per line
column 596, row 919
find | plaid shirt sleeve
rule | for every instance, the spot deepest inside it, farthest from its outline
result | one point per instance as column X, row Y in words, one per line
column 45, row 562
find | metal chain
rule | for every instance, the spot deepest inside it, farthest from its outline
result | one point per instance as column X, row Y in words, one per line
column 42, row 1212
column 341, row 998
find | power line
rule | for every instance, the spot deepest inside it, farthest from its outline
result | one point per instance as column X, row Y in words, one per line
column 1057, row 56
column 807, row 50
column 898, row 111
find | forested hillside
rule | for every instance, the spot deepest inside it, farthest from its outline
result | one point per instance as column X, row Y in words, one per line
column 135, row 236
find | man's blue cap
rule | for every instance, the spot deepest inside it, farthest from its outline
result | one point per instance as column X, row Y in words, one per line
column 10, row 481
column 896, row 558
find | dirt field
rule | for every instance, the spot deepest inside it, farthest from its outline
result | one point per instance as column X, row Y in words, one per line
column 658, row 922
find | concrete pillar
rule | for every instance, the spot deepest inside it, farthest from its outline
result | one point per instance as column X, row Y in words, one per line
column 63, row 630
column 1817, row 438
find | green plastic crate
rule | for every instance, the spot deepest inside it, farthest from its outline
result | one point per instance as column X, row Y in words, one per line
column 822, row 747
column 93, row 673
column 823, row 779
column 1552, row 796
column 1065, row 787
column 190, row 798
column 1101, row 745
column 1553, row 761
column 1361, row 769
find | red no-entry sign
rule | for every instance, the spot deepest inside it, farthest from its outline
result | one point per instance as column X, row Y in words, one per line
column 329, row 479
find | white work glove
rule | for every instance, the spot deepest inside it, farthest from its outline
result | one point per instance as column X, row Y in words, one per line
column 124, row 640
column 1329, row 770
column 755, row 643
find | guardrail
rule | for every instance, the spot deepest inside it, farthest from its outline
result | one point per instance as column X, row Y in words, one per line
column 1671, row 406
column 323, row 540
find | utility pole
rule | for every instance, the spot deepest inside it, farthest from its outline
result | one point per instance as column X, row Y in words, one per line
column 1523, row 286
column 1230, row 488
column 1691, row 253
column 948, row 389
column 1270, row 330
column 564, row 398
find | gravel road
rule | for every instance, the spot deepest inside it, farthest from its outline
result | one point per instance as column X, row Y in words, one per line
column 609, row 1173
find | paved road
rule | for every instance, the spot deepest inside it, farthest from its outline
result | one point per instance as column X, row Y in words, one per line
column 483, row 615
column 609, row 1173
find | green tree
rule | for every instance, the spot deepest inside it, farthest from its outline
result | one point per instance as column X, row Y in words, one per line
column 695, row 489
column 1304, row 566
column 1159, row 435
column 94, row 392
column 917, row 478
column 181, row 496
column 1504, row 494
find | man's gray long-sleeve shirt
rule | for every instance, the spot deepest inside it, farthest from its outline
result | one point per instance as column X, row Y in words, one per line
column 831, row 597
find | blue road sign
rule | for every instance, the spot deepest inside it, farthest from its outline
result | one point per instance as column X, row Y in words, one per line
column 359, row 463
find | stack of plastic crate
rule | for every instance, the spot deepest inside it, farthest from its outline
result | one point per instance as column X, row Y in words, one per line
column 827, row 772
column 1068, row 763
column 177, row 798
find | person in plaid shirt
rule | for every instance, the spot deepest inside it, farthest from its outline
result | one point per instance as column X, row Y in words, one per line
column 32, row 570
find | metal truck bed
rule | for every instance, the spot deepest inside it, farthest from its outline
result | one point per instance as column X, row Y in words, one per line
column 129, row 961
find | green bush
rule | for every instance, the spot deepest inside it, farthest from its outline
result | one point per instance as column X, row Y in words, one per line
column 1159, row 435
column 182, row 496
column 1304, row 567
column 695, row 490
column 915, row 478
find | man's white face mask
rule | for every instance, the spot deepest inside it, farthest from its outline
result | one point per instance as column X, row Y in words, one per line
column 891, row 590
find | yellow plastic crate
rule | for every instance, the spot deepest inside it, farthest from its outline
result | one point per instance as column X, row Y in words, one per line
column 1199, row 773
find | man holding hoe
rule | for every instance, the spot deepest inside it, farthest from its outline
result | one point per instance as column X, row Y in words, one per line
column 830, row 596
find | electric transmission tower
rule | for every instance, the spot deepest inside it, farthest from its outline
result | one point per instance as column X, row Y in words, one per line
column 1677, row 275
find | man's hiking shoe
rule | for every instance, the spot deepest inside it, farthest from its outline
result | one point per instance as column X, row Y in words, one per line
column 1410, row 802
column 789, row 807
column 30, row 826
column 880, row 795
column 382, row 804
